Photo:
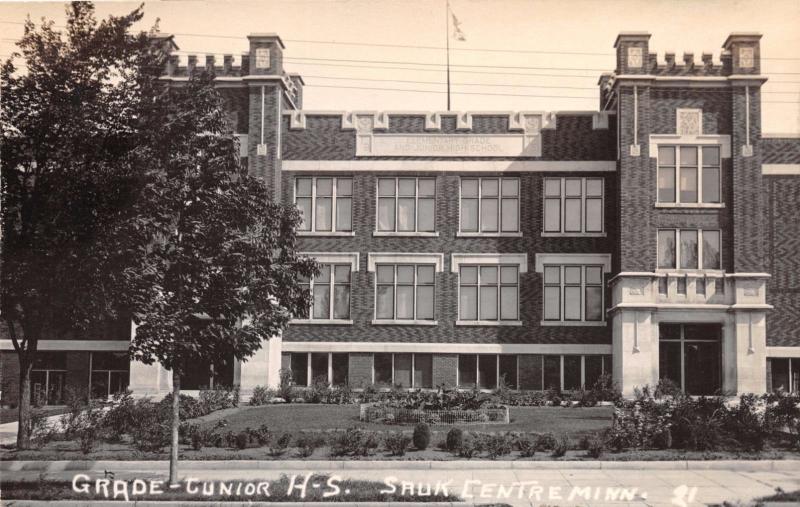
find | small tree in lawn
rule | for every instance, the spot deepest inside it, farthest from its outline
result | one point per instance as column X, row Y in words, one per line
column 69, row 117
column 220, row 272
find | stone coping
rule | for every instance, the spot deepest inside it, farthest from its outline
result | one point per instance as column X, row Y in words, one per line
column 323, row 466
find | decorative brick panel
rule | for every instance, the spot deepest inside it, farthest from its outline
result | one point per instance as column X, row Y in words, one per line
column 530, row 372
column 780, row 150
column 360, row 369
column 9, row 377
column 445, row 370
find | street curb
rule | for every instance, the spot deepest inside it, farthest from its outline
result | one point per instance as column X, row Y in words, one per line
column 179, row 503
column 325, row 465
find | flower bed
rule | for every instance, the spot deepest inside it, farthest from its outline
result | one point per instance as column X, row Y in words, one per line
column 380, row 412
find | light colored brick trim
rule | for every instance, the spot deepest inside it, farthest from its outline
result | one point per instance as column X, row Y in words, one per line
column 783, row 351
column 448, row 348
column 374, row 258
column 461, row 166
column 75, row 345
column 572, row 258
column 335, row 258
column 517, row 259
column 780, row 169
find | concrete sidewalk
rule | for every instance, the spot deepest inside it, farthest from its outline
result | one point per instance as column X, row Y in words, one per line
column 481, row 482
column 8, row 431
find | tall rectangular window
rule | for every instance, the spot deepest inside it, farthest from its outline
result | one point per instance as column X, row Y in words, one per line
column 489, row 293
column 489, row 205
column 326, row 204
column 689, row 174
column 694, row 249
column 406, row 204
column 690, row 355
column 467, row 370
column 110, row 374
column 573, row 293
column 404, row 292
column 330, row 292
column 573, row 205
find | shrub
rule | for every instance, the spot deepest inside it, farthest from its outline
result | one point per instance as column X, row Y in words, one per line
column 307, row 443
column 562, row 444
column 286, row 388
column 454, row 439
column 747, row 422
column 397, row 442
column 497, row 445
column 121, row 416
column 526, row 446
column 40, row 431
column 242, row 440
column 554, row 396
column 546, row 442
column 595, row 446
column 422, row 436
column 354, row 441
column 318, row 391
column 470, row 446
column 152, row 429
column 278, row 448
column 585, row 398
column 261, row 396
column 262, row 435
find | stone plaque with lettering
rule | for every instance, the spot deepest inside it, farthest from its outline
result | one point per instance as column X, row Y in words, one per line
column 444, row 145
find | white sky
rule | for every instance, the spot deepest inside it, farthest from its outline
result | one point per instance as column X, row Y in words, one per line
column 584, row 26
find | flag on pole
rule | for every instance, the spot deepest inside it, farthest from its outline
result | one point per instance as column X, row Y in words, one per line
column 458, row 34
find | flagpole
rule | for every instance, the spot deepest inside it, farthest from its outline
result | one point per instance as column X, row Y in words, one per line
column 447, row 38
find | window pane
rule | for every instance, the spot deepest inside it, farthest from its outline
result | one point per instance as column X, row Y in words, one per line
column 594, row 275
column 344, row 214
column 666, row 184
column 487, row 371
column 468, row 307
column 341, row 308
column 405, row 302
column 468, row 274
column 427, row 187
column 489, row 303
column 322, row 301
column 423, row 371
column 323, row 214
column 489, row 188
column 594, row 187
column 386, row 187
column 319, row 366
column 382, row 364
column 780, row 374
column 572, row 187
column 424, row 274
column 425, row 303
column 688, row 184
column 710, row 155
column 509, row 306
column 324, row 273
column 594, row 215
column 426, row 215
column 467, row 369
column 385, row 274
column 488, row 275
column 572, row 274
column 669, row 361
column 402, row 369
column 304, row 205
column 552, row 215
column 405, row 274
column 666, row 249
column 100, row 388
column 303, row 187
column 702, row 367
column 688, row 249
column 508, row 370
column 552, row 187
column 469, row 215
column 552, row 274
column 688, row 156
column 594, row 303
column 552, row 372
column 385, row 302
column 508, row 274
column 469, row 188
column 510, row 187
column 572, row 215
column 552, row 303
column 489, row 215
column 510, row 218
column 344, row 187
column 324, row 186
column 386, row 214
column 342, row 274
column 572, row 372
column 341, row 367
column 406, row 211
column 407, row 186
column 593, row 368
column 572, row 303
column 711, row 185
column 666, row 155
column 298, row 363
column 711, row 250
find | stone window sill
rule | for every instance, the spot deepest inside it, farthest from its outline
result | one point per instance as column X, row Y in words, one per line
column 488, row 323
column 572, row 323
column 573, row 234
column 323, row 322
column 694, row 205
column 408, row 234
column 388, row 322
column 341, row 234
column 489, row 234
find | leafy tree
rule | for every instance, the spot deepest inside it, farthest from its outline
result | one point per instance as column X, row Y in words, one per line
column 220, row 272
column 67, row 119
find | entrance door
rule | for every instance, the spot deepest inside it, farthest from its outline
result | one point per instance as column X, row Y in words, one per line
column 690, row 355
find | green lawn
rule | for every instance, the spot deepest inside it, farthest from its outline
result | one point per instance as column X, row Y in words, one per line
column 294, row 418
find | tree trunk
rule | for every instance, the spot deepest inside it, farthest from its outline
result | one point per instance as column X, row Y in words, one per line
column 24, row 427
column 176, row 422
